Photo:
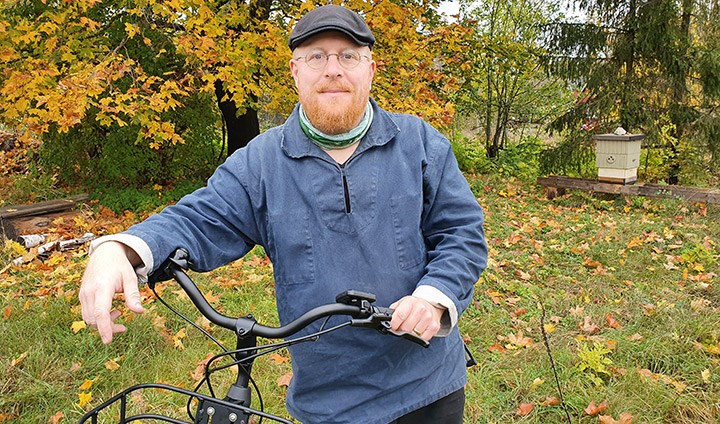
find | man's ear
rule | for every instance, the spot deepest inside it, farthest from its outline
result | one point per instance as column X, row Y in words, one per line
column 294, row 71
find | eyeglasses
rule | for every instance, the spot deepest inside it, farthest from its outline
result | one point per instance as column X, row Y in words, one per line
column 318, row 60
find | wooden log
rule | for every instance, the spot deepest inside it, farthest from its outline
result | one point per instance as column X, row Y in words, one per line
column 41, row 208
column 691, row 194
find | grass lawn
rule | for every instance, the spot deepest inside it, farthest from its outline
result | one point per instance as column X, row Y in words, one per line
column 628, row 290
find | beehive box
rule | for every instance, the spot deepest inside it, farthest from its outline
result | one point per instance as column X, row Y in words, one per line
column 617, row 157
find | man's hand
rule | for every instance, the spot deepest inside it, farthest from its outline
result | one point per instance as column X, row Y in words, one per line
column 109, row 271
column 415, row 315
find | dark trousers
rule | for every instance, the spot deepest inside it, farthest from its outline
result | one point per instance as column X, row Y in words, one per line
column 447, row 410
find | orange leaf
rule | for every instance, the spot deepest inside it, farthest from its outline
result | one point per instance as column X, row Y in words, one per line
column 7, row 312
column 497, row 348
column 55, row 419
column 550, row 400
column 86, row 385
column 15, row 362
column 612, row 322
column 593, row 409
column 199, row 372
column 525, row 408
column 278, row 359
column 625, row 418
column 284, row 380
column 518, row 312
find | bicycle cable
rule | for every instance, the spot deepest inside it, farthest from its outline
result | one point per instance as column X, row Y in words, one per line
column 202, row 330
column 206, row 377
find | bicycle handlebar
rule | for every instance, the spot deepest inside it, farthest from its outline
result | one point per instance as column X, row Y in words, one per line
column 236, row 404
column 352, row 303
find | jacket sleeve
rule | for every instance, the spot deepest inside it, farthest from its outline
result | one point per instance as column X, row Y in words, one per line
column 452, row 225
column 216, row 224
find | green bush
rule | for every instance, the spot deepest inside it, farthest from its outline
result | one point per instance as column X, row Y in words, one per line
column 91, row 155
column 517, row 160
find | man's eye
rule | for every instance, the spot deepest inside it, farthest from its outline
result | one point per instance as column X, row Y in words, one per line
column 349, row 56
column 316, row 56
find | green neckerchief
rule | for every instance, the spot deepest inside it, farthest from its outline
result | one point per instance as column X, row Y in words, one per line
column 331, row 142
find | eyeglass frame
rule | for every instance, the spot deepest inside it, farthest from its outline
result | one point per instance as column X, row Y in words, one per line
column 337, row 55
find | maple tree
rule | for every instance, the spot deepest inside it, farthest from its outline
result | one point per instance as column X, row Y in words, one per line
column 152, row 70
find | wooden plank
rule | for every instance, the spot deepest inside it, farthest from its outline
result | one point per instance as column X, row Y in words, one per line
column 692, row 194
column 41, row 208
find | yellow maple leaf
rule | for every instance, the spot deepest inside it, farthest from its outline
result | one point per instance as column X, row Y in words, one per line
column 112, row 365
column 84, row 398
column 77, row 326
column 177, row 339
column 86, row 385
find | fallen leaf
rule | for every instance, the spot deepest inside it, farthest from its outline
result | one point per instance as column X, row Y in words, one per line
column 497, row 348
column 112, row 365
column 7, row 312
column 86, row 385
column 587, row 326
column 518, row 312
column 284, row 380
column 625, row 418
column 15, row 362
column 549, row 328
column 705, row 374
column 525, row 408
column 550, row 401
column 520, row 340
column 278, row 359
column 177, row 339
column 84, row 399
column 612, row 323
column 635, row 337
column 77, row 326
column 199, row 372
column 55, row 419
column 593, row 409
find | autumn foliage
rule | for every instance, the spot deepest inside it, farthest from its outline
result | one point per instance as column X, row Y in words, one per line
column 133, row 63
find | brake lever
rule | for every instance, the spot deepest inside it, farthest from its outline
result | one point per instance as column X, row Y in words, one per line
column 385, row 329
column 380, row 320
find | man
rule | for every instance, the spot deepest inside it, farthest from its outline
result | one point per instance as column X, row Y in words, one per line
column 343, row 195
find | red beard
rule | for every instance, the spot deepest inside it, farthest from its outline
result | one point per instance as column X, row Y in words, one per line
column 336, row 115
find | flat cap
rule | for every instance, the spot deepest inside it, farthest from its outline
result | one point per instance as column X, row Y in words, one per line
column 331, row 18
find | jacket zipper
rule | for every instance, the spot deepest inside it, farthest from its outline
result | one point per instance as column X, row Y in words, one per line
column 346, row 190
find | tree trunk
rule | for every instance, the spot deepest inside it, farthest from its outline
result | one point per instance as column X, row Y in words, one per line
column 240, row 128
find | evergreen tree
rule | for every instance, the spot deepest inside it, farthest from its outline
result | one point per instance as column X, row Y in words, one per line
column 649, row 66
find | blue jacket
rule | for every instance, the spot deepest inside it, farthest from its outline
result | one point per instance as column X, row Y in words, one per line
column 396, row 215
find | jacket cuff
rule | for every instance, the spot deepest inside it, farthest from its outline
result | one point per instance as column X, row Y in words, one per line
column 438, row 299
column 135, row 243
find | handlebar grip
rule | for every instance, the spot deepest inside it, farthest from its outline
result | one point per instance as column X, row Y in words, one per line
column 405, row 335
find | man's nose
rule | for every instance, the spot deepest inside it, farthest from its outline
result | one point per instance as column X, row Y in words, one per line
column 333, row 67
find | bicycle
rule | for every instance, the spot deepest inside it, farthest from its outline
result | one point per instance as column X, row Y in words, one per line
column 235, row 407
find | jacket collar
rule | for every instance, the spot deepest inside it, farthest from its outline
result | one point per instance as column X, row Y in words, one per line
column 296, row 144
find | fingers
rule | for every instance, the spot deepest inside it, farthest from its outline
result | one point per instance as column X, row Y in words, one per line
column 132, row 293
column 108, row 272
column 417, row 316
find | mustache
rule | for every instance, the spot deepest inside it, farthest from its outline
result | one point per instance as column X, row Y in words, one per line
column 335, row 86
